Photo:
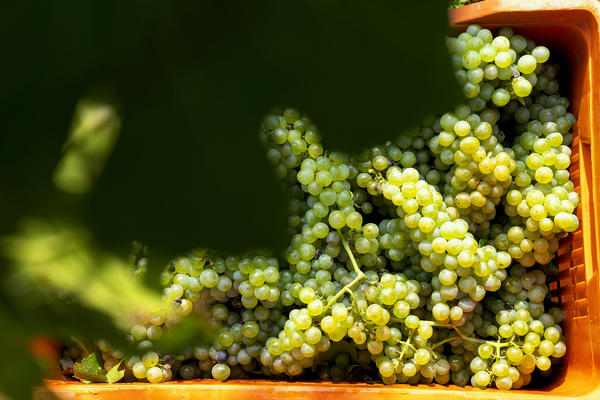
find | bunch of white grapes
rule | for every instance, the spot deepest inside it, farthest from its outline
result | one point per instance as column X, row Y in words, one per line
column 424, row 259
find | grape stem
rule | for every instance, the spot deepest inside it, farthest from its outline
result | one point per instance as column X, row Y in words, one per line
column 497, row 345
column 355, row 303
column 359, row 274
column 449, row 339
column 80, row 343
column 406, row 344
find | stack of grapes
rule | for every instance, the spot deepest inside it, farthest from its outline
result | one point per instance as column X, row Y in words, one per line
column 423, row 259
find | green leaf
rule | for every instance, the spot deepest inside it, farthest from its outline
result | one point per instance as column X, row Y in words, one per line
column 193, row 80
column 89, row 369
column 58, row 256
column 114, row 375
column 98, row 292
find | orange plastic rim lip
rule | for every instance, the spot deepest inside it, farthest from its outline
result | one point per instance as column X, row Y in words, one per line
column 572, row 27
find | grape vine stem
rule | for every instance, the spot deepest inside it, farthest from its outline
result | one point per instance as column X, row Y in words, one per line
column 497, row 345
column 359, row 274
column 406, row 344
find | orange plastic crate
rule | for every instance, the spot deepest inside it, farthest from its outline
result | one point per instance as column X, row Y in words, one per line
column 570, row 29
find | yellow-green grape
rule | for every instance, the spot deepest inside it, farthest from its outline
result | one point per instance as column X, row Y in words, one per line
column 522, row 87
column 154, row 375
column 527, row 64
column 487, row 53
column 139, row 370
column 541, row 54
column 501, row 43
column 150, row 359
column 462, row 128
column 503, row 59
column 543, row 175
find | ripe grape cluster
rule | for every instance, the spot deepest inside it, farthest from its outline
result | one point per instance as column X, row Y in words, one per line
column 423, row 259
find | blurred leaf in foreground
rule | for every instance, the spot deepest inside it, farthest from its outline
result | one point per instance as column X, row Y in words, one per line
column 14, row 342
column 194, row 79
column 56, row 267
column 58, row 258
column 58, row 283
column 96, row 126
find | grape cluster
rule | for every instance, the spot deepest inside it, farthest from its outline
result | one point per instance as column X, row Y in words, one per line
column 420, row 260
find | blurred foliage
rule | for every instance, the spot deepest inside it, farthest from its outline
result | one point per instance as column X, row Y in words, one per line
column 163, row 147
column 57, row 260
column 22, row 371
column 193, row 80
column 95, row 131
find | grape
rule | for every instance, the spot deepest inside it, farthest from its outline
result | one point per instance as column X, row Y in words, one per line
column 209, row 278
column 422, row 357
column 504, row 383
column 154, row 375
column 150, row 359
column 139, row 370
column 522, row 87
column 500, row 97
column 541, row 54
column 503, row 59
column 441, row 312
column 527, row 64
column 138, row 332
column 482, row 378
column 501, row 43
column 220, row 372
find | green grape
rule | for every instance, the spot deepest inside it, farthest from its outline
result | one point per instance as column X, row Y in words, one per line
column 154, row 332
column 541, row 54
column 504, row 383
column 139, row 370
column 220, row 372
column 150, row 359
column 527, row 64
column 209, row 278
column 337, row 219
column 522, row 87
column 411, row 321
column 138, row 332
column 154, row 375
column 503, row 59
column 422, row 357
column 482, row 379
column 500, row 97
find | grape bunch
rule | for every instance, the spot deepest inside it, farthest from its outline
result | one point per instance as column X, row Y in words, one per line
column 423, row 259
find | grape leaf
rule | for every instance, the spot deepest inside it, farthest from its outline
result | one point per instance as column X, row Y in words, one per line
column 89, row 369
column 114, row 375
